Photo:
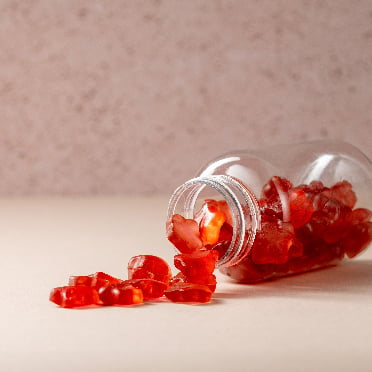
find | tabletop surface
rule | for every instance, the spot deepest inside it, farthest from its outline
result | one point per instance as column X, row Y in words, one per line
column 319, row 321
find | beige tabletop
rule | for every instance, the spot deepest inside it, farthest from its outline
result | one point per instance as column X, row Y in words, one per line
column 319, row 321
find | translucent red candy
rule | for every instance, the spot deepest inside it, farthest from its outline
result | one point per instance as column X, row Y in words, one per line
column 97, row 280
column 210, row 281
column 275, row 186
column 343, row 192
column 211, row 217
column 189, row 292
column 196, row 282
column 148, row 279
column 300, row 206
column 331, row 218
column 196, row 265
column 224, row 240
column 100, row 279
column 360, row 215
column 202, row 242
column 302, row 228
column 150, row 288
column 322, row 228
column 120, row 294
column 226, row 233
column 358, row 238
column 74, row 296
column 272, row 243
column 221, row 248
column 271, row 207
column 149, row 267
column 129, row 295
column 184, row 234
column 83, row 280
column 109, row 294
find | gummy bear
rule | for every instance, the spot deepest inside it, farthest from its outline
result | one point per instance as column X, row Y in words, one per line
column 272, row 244
column 200, row 264
column 184, row 234
column 210, row 281
column 210, row 218
column 149, row 267
column 185, row 292
column 150, row 288
column 74, row 296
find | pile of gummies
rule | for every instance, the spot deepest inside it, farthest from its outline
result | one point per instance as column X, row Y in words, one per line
column 149, row 279
column 323, row 227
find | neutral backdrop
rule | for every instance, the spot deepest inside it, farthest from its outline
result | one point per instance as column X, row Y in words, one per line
column 132, row 97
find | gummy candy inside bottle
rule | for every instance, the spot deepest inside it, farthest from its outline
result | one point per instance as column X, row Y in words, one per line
column 283, row 227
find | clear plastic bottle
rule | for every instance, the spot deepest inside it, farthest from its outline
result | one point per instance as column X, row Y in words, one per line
column 293, row 208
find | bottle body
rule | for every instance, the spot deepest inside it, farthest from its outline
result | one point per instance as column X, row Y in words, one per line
column 291, row 208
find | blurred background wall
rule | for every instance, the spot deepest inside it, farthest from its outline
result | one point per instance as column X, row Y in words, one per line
column 134, row 96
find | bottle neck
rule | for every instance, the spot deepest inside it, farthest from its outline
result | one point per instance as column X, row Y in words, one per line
column 243, row 205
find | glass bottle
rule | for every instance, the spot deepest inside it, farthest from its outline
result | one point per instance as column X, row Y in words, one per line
column 293, row 208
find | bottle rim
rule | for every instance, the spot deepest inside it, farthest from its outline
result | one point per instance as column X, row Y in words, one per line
column 241, row 201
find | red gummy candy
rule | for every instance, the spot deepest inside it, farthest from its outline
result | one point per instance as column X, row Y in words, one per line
column 74, row 296
column 275, row 186
column 272, row 243
column 97, row 280
column 224, row 240
column 80, row 280
column 188, row 292
column 120, row 294
column 359, row 237
column 296, row 249
column 224, row 208
column 200, row 264
column 210, row 281
column 101, row 279
column 184, row 234
column 360, row 215
column 331, row 218
column 342, row 191
column 211, row 217
column 150, row 288
column 313, row 188
column 109, row 295
column 300, row 206
column 149, row 267
column 226, row 233
column 271, row 207
column 221, row 248
column 129, row 295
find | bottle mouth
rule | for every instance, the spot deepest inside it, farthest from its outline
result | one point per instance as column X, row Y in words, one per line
column 188, row 198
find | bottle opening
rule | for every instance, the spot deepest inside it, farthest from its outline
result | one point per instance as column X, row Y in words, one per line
column 188, row 199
